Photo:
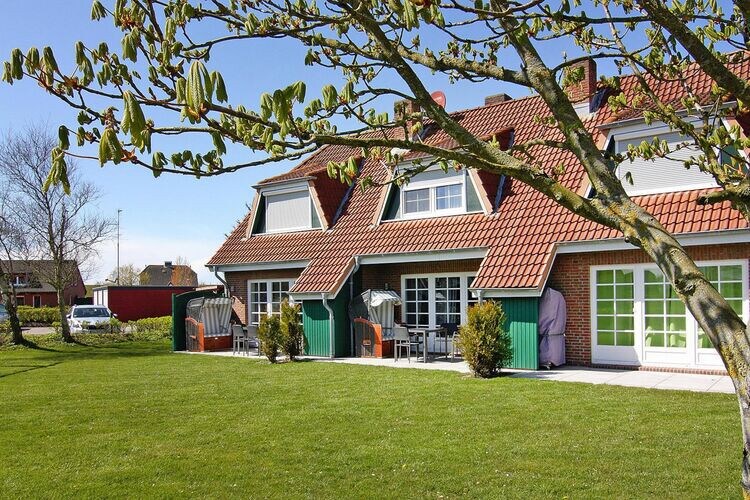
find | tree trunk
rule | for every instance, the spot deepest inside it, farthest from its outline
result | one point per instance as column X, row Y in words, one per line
column 64, row 326
column 9, row 299
column 743, row 396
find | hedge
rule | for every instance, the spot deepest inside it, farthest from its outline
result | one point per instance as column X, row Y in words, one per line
column 41, row 315
column 152, row 328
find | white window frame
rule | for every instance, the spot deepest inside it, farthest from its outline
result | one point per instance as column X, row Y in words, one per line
column 639, row 354
column 269, row 290
column 431, row 309
column 432, row 187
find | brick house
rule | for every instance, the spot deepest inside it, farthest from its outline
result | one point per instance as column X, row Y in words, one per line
column 449, row 239
column 31, row 290
column 168, row 274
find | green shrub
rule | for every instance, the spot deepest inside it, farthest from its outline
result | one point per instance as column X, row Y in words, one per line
column 38, row 315
column 57, row 327
column 292, row 334
column 116, row 326
column 483, row 341
column 269, row 334
column 151, row 328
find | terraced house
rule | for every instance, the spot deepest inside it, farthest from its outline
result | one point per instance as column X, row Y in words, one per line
column 447, row 240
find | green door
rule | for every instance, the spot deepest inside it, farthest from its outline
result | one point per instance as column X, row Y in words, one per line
column 523, row 315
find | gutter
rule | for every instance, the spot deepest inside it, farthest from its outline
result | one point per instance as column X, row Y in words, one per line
column 331, row 323
column 351, row 296
column 223, row 281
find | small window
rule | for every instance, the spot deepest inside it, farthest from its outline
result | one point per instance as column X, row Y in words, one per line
column 417, row 200
column 447, row 197
column 37, row 301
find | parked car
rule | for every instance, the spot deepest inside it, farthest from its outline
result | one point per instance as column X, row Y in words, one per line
column 3, row 314
column 90, row 319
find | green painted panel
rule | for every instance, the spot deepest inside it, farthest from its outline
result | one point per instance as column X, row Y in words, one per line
column 342, row 339
column 315, row 323
column 393, row 203
column 523, row 314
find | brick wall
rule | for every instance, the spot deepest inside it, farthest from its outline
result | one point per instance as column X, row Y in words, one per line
column 238, row 285
column 376, row 276
column 570, row 275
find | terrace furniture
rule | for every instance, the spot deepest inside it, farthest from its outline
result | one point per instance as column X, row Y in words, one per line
column 424, row 332
column 252, row 337
column 240, row 340
column 450, row 331
column 402, row 338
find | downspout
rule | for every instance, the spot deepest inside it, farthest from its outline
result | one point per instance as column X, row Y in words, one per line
column 480, row 296
column 223, row 281
column 351, row 296
column 331, row 323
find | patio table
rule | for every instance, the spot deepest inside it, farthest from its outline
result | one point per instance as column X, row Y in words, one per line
column 424, row 332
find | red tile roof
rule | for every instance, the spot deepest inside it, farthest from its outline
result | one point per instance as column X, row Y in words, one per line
column 520, row 237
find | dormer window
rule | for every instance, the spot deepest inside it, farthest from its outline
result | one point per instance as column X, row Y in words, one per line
column 285, row 209
column 436, row 193
column 659, row 175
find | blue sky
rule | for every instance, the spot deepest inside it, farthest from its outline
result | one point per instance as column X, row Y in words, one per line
column 172, row 215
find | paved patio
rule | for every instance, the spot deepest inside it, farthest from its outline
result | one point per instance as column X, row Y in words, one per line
column 628, row 378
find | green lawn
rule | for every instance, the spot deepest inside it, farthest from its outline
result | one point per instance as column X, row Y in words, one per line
column 134, row 420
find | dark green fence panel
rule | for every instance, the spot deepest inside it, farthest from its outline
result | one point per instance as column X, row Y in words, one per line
column 523, row 314
column 179, row 306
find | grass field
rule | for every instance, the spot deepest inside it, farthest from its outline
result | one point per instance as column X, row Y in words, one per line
column 134, row 420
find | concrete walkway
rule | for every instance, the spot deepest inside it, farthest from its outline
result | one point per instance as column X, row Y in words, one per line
column 627, row 378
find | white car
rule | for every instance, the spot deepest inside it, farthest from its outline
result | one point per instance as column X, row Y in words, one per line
column 89, row 319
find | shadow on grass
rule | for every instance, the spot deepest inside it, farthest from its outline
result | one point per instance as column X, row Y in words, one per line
column 57, row 352
column 25, row 368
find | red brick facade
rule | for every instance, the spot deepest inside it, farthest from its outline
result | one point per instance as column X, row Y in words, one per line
column 238, row 285
column 380, row 275
column 570, row 275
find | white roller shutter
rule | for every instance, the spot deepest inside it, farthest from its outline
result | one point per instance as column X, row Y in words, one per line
column 662, row 175
column 287, row 211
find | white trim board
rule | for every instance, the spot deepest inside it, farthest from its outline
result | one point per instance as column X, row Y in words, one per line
column 725, row 237
column 429, row 255
column 260, row 266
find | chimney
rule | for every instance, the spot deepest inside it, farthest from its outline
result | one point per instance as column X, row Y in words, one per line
column 404, row 108
column 496, row 99
column 167, row 263
column 585, row 89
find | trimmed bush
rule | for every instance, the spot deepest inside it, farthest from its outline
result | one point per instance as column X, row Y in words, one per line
column 151, row 328
column 292, row 334
column 38, row 315
column 269, row 334
column 483, row 340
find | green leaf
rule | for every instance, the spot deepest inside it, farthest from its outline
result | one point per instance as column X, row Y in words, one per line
column 219, row 86
column 98, row 11
column 221, row 148
column 63, row 136
column 133, row 121
column 110, row 148
column 16, row 64
column 330, row 96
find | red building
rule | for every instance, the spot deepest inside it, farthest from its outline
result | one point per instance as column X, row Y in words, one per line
column 32, row 290
column 137, row 302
